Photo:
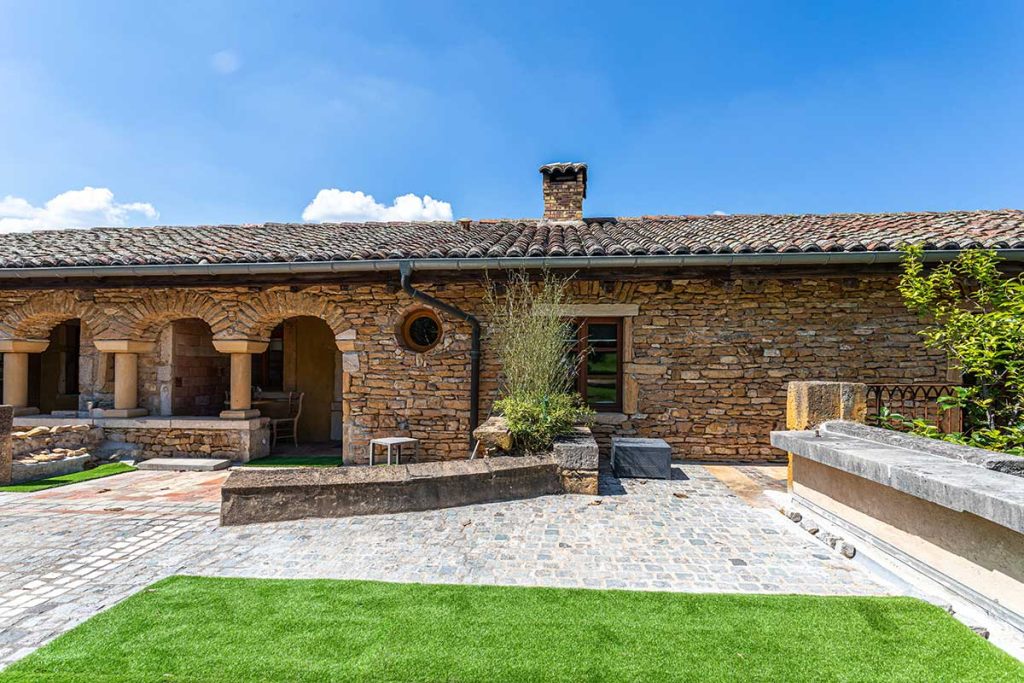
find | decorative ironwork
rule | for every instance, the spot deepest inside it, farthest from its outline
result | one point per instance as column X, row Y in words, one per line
column 915, row 401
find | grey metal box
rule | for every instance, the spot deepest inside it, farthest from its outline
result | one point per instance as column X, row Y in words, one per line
column 641, row 458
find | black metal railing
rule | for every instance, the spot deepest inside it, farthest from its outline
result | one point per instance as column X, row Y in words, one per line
column 915, row 401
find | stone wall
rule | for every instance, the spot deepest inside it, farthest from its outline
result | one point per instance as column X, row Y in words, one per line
column 707, row 367
column 6, row 420
column 187, row 442
column 200, row 375
column 59, row 437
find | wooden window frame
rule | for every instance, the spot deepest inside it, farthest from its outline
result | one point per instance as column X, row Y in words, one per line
column 405, row 331
column 263, row 360
column 583, row 349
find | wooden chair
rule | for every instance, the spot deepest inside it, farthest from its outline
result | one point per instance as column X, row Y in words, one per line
column 288, row 426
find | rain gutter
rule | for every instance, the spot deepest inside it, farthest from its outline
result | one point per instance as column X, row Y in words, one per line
column 838, row 258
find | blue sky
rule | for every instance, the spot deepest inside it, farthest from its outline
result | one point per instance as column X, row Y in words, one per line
column 231, row 112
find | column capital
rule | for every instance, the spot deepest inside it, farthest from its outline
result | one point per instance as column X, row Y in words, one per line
column 23, row 345
column 240, row 345
column 123, row 346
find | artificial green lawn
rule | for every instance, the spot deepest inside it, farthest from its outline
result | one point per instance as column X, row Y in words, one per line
column 296, row 461
column 209, row 629
column 99, row 472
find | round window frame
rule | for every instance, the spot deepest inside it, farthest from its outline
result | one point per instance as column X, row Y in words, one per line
column 405, row 329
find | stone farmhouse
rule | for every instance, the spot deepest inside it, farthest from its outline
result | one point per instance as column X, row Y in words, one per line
column 171, row 337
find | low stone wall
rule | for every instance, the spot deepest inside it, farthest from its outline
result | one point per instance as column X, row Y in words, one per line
column 269, row 495
column 34, row 470
column 67, row 437
column 939, row 509
column 162, row 437
column 577, row 454
column 237, row 444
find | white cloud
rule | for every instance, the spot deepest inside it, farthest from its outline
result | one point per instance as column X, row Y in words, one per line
column 335, row 205
column 225, row 62
column 719, row 213
column 85, row 208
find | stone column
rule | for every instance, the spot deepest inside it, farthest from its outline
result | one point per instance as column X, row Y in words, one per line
column 126, row 375
column 346, row 342
column 808, row 404
column 16, row 372
column 241, row 350
column 6, row 425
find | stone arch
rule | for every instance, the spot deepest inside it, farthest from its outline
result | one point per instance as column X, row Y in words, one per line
column 145, row 317
column 260, row 314
column 40, row 313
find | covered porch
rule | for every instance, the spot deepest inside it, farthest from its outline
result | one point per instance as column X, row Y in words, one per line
column 177, row 388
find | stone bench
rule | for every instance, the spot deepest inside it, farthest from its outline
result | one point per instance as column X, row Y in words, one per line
column 641, row 458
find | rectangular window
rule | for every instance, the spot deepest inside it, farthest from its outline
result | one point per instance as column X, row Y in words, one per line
column 599, row 373
column 268, row 367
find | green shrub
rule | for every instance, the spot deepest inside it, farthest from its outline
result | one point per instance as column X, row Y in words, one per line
column 536, row 420
column 529, row 335
column 1007, row 439
column 535, row 345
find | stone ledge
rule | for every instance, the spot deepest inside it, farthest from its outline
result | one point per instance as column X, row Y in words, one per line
column 264, row 495
column 912, row 468
column 1000, row 462
column 146, row 422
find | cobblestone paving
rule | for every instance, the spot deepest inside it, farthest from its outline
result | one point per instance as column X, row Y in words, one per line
column 68, row 553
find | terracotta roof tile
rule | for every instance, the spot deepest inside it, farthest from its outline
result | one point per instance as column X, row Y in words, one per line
column 647, row 235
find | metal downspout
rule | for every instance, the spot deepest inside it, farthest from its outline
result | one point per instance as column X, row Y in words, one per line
column 405, row 268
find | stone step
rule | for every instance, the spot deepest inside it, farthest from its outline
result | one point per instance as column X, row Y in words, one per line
column 184, row 464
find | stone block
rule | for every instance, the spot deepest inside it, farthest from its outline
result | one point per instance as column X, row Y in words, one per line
column 494, row 434
column 641, row 458
column 577, row 452
column 184, row 464
column 808, row 404
column 583, row 482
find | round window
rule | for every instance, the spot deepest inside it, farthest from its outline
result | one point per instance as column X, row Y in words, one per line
column 421, row 330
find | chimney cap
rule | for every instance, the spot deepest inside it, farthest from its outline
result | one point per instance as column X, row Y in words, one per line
column 565, row 166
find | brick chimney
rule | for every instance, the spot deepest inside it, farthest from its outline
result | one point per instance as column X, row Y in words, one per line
column 565, row 188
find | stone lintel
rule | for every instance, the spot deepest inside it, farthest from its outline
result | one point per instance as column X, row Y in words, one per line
column 598, row 310
column 123, row 346
column 240, row 345
column 23, row 345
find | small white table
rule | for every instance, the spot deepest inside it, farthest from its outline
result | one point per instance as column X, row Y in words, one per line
column 397, row 442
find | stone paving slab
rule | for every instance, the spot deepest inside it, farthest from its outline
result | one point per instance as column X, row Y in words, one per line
column 67, row 553
column 185, row 464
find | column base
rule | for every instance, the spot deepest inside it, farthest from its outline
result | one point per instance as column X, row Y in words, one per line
column 25, row 410
column 121, row 412
column 239, row 414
